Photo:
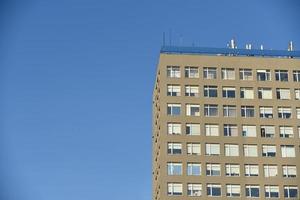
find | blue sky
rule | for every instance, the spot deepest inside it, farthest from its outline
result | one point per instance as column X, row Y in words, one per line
column 76, row 79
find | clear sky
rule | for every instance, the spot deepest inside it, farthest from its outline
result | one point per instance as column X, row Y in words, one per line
column 76, row 79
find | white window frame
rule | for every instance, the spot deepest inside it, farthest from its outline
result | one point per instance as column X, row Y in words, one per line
column 247, row 93
column 244, row 74
column 174, row 128
column 173, row 72
column 173, row 90
column 271, row 188
column 231, row 130
column 212, row 130
column 228, row 110
column 232, row 169
column 266, row 72
column 171, row 166
column 175, row 189
column 213, row 167
column 193, row 129
column 192, row 91
column 265, row 93
column 190, row 169
column 211, row 110
column 270, row 171
column 228, row 73
column 190, row 112
column 251, row 170
column 194, row 189
column 250, row 150
column 210, row 73
column 193, row 148
column 288, row 151
column 212, row 149
column 266, row 112
column 231, row 150
column 249, row 131
column 233, row 190
column 191, row 72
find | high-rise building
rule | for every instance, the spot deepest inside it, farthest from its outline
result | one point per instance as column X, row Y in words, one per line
column 226, row 123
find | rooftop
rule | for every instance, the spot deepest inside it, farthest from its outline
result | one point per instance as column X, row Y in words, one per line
column 230, row 52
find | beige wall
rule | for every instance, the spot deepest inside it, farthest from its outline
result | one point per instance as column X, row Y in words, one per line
column 159, row 115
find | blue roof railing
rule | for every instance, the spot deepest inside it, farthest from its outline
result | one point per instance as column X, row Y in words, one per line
column 228, row 51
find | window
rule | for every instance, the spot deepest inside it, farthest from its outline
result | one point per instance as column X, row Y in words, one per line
column 247, row 111
column 193, row 129
column 193, row 148
column 232, row 170
column 299, row 131
column 233, row 190
column 173, row 90
column 250, row 150
column 283, row 93
column 194, row 169
column 268, row 150
column 297, row 94
column 266, row 112
column 174, row 168
column 247, row 93
column 210, row 72
column 230, row 130
column 271, row 191
column 228, row 74
column 213, row 169
column 211, row 130
column 249, row 131
column 296, row 75
column 174, row 128
column 270, row 170
column 229, row 111
column 286, row 132
column 210, row 110
column 173, row 109
column 290, row 191
column 246, row 74
column 191, row 91
column 174, row 189
column 251, row 170
column 265, row 93
column 298, row 113
column 191, row 72
column 287, row 151
column 267, row 131
column 213, row 190
column 174, row 148
column 231, row 150
column 210, row 91
column 281, row 75
column 192, row 110
column 289, row 171
column 252, row 191
column 194, row 189
column 212, row 149
column 173, row 71
column 228, row 92
column 284, row 112
column 263, row 75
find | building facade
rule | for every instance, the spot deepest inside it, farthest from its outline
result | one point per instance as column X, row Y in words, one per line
column 226, row 124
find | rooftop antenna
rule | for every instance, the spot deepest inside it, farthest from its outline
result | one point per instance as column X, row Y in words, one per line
column 180, row 40
column 291, row 46
column 232, row 44
column 164, row 39
column 261, row 47
column 170, row 37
